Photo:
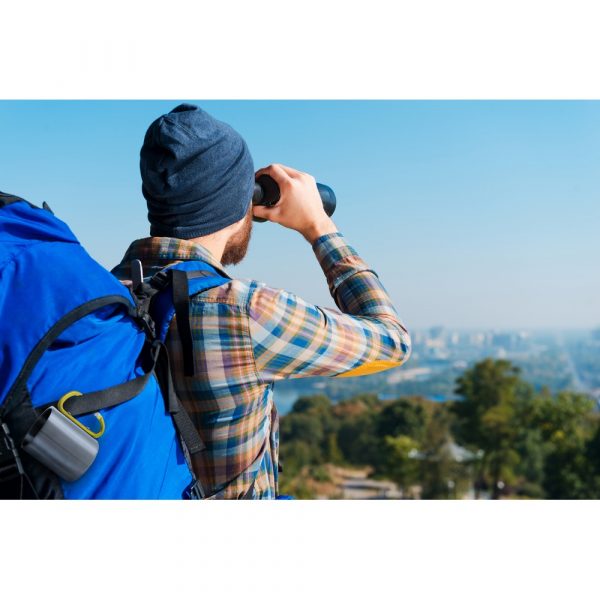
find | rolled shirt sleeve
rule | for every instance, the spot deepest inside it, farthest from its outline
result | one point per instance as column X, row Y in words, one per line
column 293, row 338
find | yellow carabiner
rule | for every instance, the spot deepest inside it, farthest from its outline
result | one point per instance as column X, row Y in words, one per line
column 64, row 411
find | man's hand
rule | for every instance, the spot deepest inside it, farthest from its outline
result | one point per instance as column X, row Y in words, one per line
column 300, row 206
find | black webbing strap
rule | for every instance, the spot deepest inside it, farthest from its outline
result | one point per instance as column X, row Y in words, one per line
column 114, row 395
column 195, row 274
column 249, row 495
column 13, row 396
column 195, row 491
column 181, row 418
column 181, row 302
column 118, row 394
column 7, row 199
column 144, row 293
column 107, row 398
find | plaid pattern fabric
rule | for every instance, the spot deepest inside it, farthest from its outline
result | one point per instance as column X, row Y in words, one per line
column 248, row 336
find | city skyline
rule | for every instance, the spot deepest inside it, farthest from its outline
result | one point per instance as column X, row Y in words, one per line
column 476, row 215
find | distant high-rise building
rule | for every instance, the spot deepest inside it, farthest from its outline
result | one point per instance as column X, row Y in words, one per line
column 436, row 332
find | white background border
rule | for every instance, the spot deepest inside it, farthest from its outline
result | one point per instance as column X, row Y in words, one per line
column 310, row 49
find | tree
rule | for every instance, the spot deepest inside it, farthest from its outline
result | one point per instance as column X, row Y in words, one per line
column 486, row 417
column 568, row 423
column 438, row 466
column 310, row 421
column 333, row 453
column 402, row 417
column 530, row 470
column 319, row 404
column 592, row 452
column 399, row 462
column 357, row 439
column 356, row 434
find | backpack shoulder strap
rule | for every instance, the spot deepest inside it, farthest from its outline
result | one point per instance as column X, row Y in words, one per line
column 183, row 280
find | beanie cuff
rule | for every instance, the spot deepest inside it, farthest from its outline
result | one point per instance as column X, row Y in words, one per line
column 188, row 232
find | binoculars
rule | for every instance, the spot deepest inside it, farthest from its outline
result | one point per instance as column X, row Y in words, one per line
column 267, row 193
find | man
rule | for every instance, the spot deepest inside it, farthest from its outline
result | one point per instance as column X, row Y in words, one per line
column 198, row 179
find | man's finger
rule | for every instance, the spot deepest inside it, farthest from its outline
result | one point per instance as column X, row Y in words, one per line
column 293, row 173
column 276, row 172
column 263, row 212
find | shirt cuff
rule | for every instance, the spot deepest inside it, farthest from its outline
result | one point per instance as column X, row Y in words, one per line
column 331, row 248
column 339, row 260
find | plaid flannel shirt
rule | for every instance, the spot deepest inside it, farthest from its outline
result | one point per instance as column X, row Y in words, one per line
column 247, row 336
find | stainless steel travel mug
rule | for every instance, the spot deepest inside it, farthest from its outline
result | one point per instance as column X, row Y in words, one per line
column 60, row 445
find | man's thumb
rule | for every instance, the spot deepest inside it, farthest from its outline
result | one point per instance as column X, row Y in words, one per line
column 263, row 212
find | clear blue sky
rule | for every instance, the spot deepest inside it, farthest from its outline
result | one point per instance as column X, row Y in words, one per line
column 474, row 214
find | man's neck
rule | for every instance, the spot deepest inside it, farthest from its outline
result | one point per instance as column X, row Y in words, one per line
column 214, row 243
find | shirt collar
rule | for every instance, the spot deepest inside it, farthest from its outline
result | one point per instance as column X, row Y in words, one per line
column 156, row 253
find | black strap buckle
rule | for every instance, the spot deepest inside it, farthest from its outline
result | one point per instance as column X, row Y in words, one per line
column 146, row 322
column 195, row 491
column 10, row 461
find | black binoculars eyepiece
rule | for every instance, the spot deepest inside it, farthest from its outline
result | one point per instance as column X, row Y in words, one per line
column 267, row 193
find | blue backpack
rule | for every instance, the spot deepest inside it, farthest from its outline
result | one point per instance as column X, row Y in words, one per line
column 87, row 403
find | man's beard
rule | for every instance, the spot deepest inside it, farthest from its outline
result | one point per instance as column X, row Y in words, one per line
column 237, row 246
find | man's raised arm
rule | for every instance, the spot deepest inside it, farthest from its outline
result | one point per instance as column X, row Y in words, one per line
column 292, row 338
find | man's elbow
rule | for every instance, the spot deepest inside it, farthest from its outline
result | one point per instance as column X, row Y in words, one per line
column 395, row 350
